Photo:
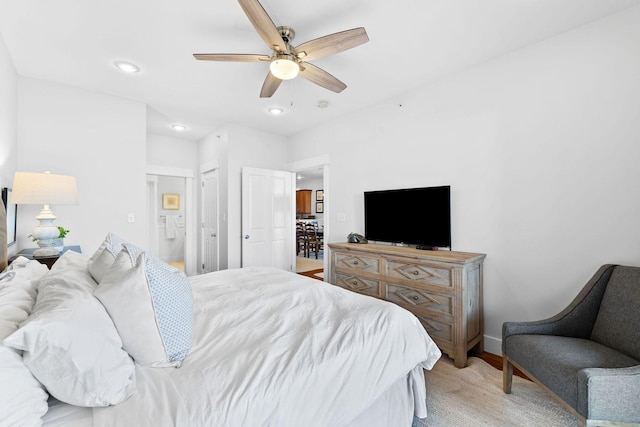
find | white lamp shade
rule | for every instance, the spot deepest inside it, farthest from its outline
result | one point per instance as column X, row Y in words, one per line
column 31, row 188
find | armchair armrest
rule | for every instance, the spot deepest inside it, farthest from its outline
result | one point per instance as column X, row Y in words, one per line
column 609, row 394
column 576, row 320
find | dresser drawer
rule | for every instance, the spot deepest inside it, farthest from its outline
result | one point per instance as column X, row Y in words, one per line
column 357, row 262
column 418, row 300
column 419, row 273
column 439, row 331
column 361, row 285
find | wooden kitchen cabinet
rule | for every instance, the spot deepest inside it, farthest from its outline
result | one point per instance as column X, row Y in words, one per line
column 303, row 201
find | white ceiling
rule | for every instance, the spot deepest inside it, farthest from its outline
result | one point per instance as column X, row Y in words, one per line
column 412, row 42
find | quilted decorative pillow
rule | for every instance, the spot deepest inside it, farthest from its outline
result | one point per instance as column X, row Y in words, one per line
column 151, row 305
column 70, row 344
column 104, row 256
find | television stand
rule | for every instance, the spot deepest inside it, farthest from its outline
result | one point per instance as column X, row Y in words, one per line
column 442, row 288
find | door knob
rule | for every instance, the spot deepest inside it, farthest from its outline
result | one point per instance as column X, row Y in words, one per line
column 246, row 237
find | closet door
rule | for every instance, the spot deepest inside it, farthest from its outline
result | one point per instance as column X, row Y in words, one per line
column 210, row 241
column 267, row 218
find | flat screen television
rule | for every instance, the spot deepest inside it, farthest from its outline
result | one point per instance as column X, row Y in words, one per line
column 412, row 216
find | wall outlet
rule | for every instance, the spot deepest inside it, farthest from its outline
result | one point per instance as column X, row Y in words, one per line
column 131, row 217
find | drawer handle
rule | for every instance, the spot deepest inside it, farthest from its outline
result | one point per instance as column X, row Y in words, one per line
column 415, row 298
column 355, row 282
column 416, row 272
column 355, row 262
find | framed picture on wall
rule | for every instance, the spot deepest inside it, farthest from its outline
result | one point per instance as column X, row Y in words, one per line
column 319, row 207
column 319, row 195
column 170, row 201
column 12, row 216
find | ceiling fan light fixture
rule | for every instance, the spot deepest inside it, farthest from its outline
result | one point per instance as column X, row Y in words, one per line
column 284, row 67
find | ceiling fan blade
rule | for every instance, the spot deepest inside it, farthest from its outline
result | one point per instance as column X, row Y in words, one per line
column 331, row 44
column 232, row 57
column 270, row 85
column 320, row 77
column 263, row 24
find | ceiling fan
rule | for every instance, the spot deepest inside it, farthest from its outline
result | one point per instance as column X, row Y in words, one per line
column 287, row 61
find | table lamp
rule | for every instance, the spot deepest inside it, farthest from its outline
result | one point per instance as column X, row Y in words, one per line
column 31, row 188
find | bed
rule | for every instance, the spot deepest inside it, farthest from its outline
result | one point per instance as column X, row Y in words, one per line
column 244, row 347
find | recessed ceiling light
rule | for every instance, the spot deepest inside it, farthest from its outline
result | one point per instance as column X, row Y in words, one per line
column 179, row 127
column 276, row 111
column 127, row 67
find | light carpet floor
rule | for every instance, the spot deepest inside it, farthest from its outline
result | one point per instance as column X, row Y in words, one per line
column 308, row 264
column 473, row 396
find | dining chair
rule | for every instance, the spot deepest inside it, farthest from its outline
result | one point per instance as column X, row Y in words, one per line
column 313, row 240
column 301, row 239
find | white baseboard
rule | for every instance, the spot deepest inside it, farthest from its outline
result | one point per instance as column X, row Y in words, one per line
column 493, row 345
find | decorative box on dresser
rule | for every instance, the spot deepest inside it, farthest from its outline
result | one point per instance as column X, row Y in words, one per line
column 442, row 288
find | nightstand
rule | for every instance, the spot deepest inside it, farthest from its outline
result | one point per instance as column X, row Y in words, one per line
column 46, row 260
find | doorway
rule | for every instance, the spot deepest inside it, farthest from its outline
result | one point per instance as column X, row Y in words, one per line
column 170, row 216
column 311, row 182
column 167, row 218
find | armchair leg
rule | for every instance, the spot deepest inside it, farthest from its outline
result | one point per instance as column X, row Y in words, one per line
column 507, row 375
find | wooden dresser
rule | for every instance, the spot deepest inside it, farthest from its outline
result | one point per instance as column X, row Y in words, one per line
column 442, row 288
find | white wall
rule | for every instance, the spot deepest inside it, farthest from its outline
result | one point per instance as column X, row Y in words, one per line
column 213, row 152
column 8, row 122
column 98, row 138
column 230, row 149
column 542, row 153
column 248, row 148
column 174, row 152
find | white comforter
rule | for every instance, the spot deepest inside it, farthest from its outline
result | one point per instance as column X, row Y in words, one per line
column 272, row 348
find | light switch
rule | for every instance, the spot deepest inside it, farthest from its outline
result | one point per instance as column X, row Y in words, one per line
column 131, row 217
column 341, row 217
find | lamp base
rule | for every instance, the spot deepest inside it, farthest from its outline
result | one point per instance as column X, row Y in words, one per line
column 46, row 252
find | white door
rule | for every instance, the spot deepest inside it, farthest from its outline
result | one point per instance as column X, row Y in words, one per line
column 210, row 221
column 153, row 244
column 267, row 218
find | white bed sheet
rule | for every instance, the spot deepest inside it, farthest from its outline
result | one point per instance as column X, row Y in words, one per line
column 272, row 348
column 64, row 415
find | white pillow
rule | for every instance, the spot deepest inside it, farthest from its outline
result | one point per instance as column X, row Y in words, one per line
column 151, row 305
column 70, row 344
column 104, row 256
column 71, row 260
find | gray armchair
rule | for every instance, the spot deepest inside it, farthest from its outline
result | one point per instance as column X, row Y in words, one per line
column 588, row 355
